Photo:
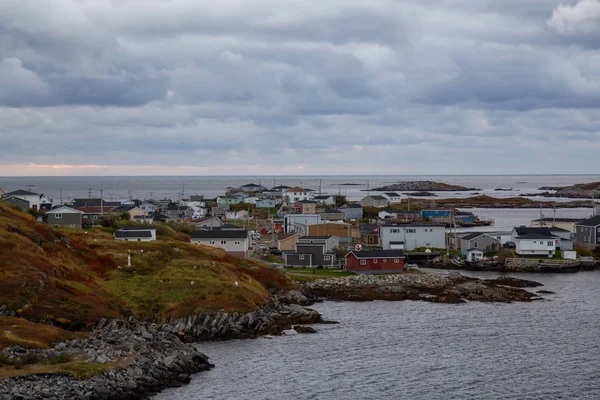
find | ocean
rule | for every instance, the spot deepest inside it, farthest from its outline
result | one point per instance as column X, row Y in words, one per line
column 416, row 350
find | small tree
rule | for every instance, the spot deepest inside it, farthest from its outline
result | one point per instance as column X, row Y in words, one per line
column 339, row 200
column 124, row 216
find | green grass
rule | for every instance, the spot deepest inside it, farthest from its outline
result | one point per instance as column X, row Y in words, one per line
column 310, row 274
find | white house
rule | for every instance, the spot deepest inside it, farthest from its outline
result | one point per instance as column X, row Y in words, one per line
column 234, row 241
column 325, row 200
column 296, row 194
column 35, row 199
column 393, row 197
column 474, row 255
column 239, row 214
column 291, row 220
column 537, row 242
column 251, row 200
column 410, row 237
column 139, row 233
column 208, row 222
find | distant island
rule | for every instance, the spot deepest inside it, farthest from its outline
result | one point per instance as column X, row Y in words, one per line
column 422, row 186
column 579, row 191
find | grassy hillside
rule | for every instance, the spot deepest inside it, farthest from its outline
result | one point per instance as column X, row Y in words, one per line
column 73, row 278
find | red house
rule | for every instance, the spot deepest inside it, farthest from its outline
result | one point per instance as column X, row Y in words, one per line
column 374, row 261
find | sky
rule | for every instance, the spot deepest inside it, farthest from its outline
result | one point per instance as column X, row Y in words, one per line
column 281, row 87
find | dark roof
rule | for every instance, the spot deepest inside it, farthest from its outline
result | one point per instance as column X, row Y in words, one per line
column 322, row 197
column 21, row 193
column 333, row 211
column 475, row 249
column 230, row 227
column 138, row 228
column 377, row 197
column 557, row 229
column 378, row 254
column 94, row 202
column 522, row 230
column 315, row 237
column 355, row 205
column 220, row 234
column 472, row 235
column 550, row 219
column 307, row 201
column 392, row 194
column 396, row 242
column 536, row 236
column 368, row 228
column 133, row 234
column 593, row 221
column 251, row 185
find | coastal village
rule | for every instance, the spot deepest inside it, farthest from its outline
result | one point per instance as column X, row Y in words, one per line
column 300, row 227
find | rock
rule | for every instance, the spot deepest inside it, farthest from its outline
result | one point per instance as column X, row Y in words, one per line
column 545, row 292
column 304, row 329
column 422, row 186
column 513, row 282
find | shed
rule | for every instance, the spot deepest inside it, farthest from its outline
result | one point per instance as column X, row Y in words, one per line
column 474, row 255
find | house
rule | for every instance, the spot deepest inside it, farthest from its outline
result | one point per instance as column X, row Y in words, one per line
column 239, row 214
column 376, row 261
column 226, row 202
column 233, row 241
column 392, row 197
column 375, row 201
column 174, row 211
column 218, row 211
column 463, row 217
column 369, row 234
column 388, row 213
column 140, row 233
column 332, row 215
column 287, row 241
column 252, row 188
column 36, row 201
column 338, row 229
column 290, row 221
column 534, row 242
column 413, row 236
column 312, row 251
column 91, row 215
column 143, row 219
column 479, row 240
column 251, row 200
column 23, row 205
column 280, row 188
column 565, row 238
column 407, row 216
column 325, row 200
column 564, row 223
column 296, row 194
column 352, row 211
column 266, row 203
column 136, row 212
column 65, row 217
column 305, row 207
column 158, row 217
column 474, row 255
column 94, row 202
column 149, row 206
column 208, row 222
column 1, row 192
column 587, row 233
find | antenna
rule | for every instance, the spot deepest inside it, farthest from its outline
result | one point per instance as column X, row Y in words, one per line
column 61, row 198
column 367, row 188
column 129, row 194
column 29, row 187
column 101, row 204
column 89, row 193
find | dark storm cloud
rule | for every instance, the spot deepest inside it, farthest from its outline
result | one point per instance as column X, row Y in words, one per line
column 296, row 83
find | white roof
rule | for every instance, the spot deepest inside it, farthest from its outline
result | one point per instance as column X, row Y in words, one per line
column 64, row 210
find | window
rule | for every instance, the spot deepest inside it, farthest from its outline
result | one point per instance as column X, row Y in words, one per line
column 534, row 241
column 301, row 257
column 212, row 242
column 550, row 243
column 73, row 226
column 57, row 216
column 410, row 231
column 374, row 261
column 475, row 244
column 326, row 258
column 223, row 241
column 396, row 261
column 385, row 260
column 94, row 217
column 363, row 262
column 237, row 242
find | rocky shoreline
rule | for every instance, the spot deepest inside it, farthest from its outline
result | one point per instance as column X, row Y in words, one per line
column 422, row 186
column 424, row 286
column 526, row 267
column 143, row 358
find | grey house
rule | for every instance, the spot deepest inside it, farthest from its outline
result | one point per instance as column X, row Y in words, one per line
column 312, row 251
column 587, row 232
column 65, row 217
column 352, row 211
column 480, row 241
column 23, row 205
column 375, row 201
column 233, row 241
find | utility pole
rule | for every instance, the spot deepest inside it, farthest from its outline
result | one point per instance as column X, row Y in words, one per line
column 130, row 195
column 319, row 187
column 101, row 203
column 89, row 193
column 61, row 198
column 29, row 187
column 554, row 216
column 367, row 188
column 150, row 195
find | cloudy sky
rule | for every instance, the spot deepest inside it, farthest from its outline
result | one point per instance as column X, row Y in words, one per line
column 231, row 87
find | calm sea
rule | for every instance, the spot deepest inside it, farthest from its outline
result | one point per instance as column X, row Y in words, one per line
column 415, row 350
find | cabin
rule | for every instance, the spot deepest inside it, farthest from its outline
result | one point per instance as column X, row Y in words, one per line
column 141, row 233
column 379, row 261
column 474, row 254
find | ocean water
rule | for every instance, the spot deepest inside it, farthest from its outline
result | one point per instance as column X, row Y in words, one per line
column 145, row 187
column 415, row 350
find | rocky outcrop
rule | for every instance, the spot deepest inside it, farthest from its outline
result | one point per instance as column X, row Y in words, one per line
column 154, row 359
column 579, row 191
column 304, row 329
column 421, row 194
column 272, row 319
column 424, row 286
column 422, row 186
column 513, row 265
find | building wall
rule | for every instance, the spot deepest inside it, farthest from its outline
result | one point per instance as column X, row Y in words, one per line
column 306, row 219
column 436, row 213
column 136, row 212
column 570, row 226
column 352, row 213
column 484, row 243
column 66, row 220
column 379, row 264
column 34, row 200
column 318, row 254
column 145, row 239
column 413, row 236
column 541, row 247
column 339, row 230
column 289, row 244
column 370, row 202
column 22, row 204
column 229, row 245
column 298, row 260
column 588, row 236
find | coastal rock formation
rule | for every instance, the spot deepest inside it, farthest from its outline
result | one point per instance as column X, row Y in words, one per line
column 422, row 186
column 151, row 360
column 421, row 194
column 509, row 202
column 579, row 191
column 424, row 286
